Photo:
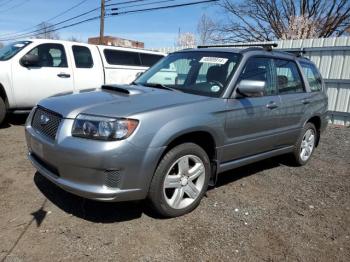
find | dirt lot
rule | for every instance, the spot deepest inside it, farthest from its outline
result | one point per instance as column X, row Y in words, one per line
column 268, row 211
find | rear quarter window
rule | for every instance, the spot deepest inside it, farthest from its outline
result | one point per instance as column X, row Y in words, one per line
column 149, row 59
column 313, row 76
column 117, row 57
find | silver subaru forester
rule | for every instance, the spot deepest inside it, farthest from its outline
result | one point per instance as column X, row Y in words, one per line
column 167, row 135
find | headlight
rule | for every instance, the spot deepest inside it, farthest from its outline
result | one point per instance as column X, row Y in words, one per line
column 103, row 128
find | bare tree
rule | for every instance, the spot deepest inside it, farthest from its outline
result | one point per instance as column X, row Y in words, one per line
column 75, row 39
column 266, row 20
column 46, row 31
column 186, row 40
column 205, row 28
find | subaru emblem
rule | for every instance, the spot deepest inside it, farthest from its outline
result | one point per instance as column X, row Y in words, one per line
column 44, row 119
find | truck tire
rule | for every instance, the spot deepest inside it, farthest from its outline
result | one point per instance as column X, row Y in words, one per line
column 180, row 180
column 305, row 145
column 2, row 110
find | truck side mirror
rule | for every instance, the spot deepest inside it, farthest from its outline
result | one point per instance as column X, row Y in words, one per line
column 30, row 60
column 139, row 74
column 251, row 88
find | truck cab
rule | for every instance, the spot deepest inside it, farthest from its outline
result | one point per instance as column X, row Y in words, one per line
column 34, row 69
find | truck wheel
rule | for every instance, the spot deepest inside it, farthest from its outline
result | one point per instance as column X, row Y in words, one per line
column 2, row 110
column 305, row 145
column 180, row 180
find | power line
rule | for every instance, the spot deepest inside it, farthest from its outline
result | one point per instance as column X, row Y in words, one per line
column 151, row 3
column 161, row 7
column 31, row 30
column 48, row 20
column 16, row 36
column 66, row 11
column 14, row 6
column 107, row 16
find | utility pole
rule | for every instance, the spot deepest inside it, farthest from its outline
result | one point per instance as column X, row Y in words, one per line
column 102, row 22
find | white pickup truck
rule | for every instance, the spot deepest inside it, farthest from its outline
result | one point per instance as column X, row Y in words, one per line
column 38, row 68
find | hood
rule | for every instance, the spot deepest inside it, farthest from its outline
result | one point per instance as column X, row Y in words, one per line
column 121, row 101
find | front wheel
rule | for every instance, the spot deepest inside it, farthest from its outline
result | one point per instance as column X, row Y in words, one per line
column 2, row 110
column 305, row 145
column 180, row 181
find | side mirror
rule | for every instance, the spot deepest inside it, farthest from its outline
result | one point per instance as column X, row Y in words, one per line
column 30, row 60
column 139, row 74
column 251, row 87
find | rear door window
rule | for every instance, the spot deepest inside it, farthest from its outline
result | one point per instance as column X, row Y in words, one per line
column 149, row 59
column 288, row 77
column 82, row 57
column 117, row 57
column 313, row 76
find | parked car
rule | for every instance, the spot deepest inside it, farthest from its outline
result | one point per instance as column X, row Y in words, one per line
column 38, row 68
column 168, row 141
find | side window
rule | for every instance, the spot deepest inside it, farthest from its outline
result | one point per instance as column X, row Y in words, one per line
column 149, row 59
column 82, row 57
column 116, row 57
column 260, row 69
column 50, row 55
column 288, row 77
column 313, row 76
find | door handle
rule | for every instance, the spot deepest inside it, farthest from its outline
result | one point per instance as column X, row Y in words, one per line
column 272, row 105
column 306, row 101
column 63, row 75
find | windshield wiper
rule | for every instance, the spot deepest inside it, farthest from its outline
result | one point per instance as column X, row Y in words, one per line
column 157, row 85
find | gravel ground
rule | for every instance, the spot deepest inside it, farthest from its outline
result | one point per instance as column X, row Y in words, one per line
column 268, row 211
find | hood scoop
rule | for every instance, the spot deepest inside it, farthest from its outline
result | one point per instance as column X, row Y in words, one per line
column 124, row 89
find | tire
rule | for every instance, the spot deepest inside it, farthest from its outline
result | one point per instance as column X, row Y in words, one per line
column 180, row 180
column 301, row 157
column 2, row 110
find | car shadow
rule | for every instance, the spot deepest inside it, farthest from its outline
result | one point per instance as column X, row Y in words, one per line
column 14, row 120
column 109, row 212
column 93, row 211
column 251, row 169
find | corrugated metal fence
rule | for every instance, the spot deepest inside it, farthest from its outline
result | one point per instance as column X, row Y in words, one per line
column 332, row 57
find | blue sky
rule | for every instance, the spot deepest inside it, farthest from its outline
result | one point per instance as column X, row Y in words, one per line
column 156, row 28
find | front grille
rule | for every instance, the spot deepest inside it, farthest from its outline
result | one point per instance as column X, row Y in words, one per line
column 112, row 178
column 46, row 122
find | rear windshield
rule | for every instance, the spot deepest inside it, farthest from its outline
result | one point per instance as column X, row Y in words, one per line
column 203, row 73
column 10, row 50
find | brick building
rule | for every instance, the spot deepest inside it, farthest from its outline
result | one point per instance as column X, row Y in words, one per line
column 116, row 41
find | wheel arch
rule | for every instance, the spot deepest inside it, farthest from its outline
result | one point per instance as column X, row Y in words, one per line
column 316, row 121
column 3, row 95
column 202, row 138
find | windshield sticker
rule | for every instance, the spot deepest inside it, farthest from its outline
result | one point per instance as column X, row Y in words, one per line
column 213, row 60
column 215, row 89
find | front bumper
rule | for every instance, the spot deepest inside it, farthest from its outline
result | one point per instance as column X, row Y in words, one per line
column 99, row 170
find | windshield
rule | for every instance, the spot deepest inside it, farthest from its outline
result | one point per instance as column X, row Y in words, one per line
column 202, row 73
column 12, row 49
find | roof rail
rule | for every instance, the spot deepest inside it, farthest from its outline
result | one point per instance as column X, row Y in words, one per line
column 267, row 46
column 298, row 52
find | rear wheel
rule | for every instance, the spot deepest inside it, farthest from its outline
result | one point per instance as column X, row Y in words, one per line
column 2, row 110
column 305, row 145
column 180, row 181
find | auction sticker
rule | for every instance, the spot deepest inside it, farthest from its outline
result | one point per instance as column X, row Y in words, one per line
column 213, row 60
